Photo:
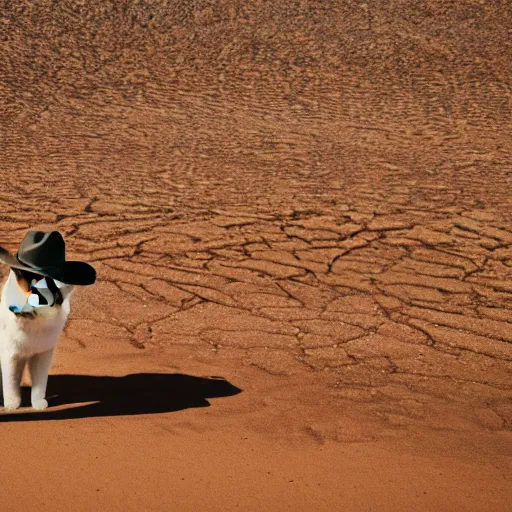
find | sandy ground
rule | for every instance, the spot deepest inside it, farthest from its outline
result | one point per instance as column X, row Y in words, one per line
column 300, row 216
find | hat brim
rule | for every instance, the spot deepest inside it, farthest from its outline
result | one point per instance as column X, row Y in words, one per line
column 73, row 272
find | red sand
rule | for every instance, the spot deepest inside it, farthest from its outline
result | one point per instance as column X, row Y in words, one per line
column 309, row 201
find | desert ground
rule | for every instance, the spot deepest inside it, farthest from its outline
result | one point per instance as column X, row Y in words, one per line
column 300, row 216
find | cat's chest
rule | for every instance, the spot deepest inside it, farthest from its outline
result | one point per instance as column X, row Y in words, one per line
column 29, row 336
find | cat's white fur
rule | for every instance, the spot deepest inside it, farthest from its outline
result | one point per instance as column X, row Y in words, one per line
column 28, row 341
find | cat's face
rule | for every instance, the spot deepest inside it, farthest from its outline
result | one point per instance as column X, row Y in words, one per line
column 25, row 280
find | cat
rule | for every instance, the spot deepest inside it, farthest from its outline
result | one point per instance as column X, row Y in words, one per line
column 28, row 337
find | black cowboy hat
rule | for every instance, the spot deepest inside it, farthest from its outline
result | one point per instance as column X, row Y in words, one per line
column 44, row 253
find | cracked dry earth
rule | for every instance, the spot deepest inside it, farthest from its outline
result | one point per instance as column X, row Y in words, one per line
column 311, row 200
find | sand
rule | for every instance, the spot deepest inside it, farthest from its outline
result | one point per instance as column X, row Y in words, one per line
column 300, row 217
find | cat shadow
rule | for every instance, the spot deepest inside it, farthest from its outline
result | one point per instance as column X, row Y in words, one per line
column 139, row 393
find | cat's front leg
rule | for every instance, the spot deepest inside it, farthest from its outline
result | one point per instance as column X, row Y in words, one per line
column 39, row 366
column 12, row 370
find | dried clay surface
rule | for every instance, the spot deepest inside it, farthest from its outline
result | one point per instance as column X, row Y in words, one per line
column 300, row 215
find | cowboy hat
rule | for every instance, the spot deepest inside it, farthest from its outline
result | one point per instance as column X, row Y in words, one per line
column 44, row 253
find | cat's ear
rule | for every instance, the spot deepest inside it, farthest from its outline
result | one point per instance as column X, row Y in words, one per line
column 21, row 280
column 17, row 272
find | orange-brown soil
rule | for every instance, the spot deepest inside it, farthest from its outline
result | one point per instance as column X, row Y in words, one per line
column 300, row 216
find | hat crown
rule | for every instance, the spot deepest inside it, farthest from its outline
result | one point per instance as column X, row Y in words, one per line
column 44, row 250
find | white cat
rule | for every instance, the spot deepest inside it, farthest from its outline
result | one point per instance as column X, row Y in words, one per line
column 28, row 338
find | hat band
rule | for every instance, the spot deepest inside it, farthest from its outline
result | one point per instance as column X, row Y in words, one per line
column 35, row 267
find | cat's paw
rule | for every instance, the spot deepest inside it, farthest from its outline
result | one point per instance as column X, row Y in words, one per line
column 12, row 403
column 39, row 404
